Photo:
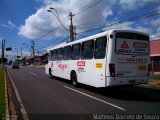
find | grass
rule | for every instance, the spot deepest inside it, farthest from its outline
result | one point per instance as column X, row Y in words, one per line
column 2, row 92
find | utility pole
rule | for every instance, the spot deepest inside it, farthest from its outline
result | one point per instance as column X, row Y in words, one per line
column 17, row 53
column 21, row 53
column 3, row 47
column 33, row 50
column 71, row 27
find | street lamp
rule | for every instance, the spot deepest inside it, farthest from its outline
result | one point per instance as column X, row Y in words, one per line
column 71, row 26
column 49, row 11
column 57, row 16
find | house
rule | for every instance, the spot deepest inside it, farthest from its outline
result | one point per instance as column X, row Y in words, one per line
column 155, row 55
column 37, row 59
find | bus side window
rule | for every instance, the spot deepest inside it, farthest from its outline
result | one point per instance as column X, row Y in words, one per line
column 46, row 58
column 66, row 53
column 87, row 50
column 100, row 48
column 75, row 52
column 50, row 56
column 60, row 54
column 55, row 54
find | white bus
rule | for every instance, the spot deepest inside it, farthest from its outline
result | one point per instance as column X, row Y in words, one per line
column 114, row 57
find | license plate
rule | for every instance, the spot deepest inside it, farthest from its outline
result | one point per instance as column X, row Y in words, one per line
column 142, row 68
column 132, row 81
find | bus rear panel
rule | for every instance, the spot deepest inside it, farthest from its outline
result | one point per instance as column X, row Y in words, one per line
column 128, row 59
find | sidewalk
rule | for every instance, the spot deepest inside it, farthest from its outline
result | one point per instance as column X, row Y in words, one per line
column 39, row 66
column 154, row 80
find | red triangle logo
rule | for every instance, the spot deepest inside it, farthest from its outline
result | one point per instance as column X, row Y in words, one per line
column 124, row 45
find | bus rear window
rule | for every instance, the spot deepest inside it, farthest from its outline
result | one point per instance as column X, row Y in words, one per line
column 131, row 43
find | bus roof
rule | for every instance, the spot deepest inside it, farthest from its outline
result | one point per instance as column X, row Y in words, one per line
column 90, row 37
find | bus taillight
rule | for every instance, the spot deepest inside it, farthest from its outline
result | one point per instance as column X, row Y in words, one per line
column 112, row 70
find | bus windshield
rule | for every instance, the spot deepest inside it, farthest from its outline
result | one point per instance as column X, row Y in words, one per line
column 128, row 43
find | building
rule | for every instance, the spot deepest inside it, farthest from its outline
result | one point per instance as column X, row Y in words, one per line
column 155, row 55
column 37, row 59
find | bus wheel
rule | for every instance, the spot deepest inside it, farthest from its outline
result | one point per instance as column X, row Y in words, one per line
column 74, row 79
column 50, row 73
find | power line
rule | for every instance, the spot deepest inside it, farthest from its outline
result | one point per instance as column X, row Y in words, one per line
column 91, row 22
column 87, row 7
column 60, row 20
column 59, row 39
column 157, row 33
column 65, row 39
column 78, row 34
column 91, row 5
column 144, row 7
column 49, row 32
column 57, row 16
column 153, row 13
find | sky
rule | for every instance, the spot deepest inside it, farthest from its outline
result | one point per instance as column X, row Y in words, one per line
column 23, row 21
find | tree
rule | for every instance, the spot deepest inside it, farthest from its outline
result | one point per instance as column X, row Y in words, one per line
column 5, row 60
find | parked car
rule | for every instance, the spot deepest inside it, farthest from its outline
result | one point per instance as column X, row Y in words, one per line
column 15, row 65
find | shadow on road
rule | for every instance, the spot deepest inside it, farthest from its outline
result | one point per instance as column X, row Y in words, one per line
column 128, row 93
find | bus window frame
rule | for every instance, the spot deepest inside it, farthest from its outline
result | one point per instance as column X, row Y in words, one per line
column 96, row 47
column 74, row 57
column 82, row 49
column 60, row 53
column 69, row 55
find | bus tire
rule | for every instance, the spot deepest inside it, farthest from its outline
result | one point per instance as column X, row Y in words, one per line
column 74, row 79
column 50, row 73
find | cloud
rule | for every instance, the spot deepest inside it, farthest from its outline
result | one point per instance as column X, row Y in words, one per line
column 36, row 25
column 42, row 22
column 156, row 35
column 9, row 24
column 11, row 55
column 133, row 4
column 142, row 29
column 129, row 26
column 155, row 22
column 126, row 26
column 8, row 54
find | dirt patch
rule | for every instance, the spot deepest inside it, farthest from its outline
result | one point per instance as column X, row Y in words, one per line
column 154, row 83
column 14, row 107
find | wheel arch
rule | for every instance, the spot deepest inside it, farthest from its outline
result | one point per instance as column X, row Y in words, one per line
column 50, row 70
column 72, row 71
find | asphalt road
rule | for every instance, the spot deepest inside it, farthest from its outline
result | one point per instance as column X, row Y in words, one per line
column 44, row 96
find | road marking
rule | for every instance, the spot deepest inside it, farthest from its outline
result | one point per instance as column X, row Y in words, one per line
column 24, row 113
column 145, row 85
column 33, row 73
column 96, row 99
